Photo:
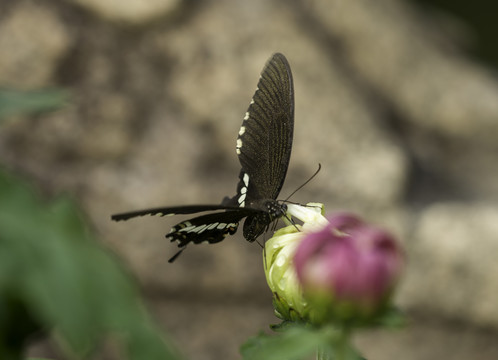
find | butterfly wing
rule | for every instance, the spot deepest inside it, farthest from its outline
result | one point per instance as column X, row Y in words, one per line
column 263, row 146
column 169, row 211
column 211, row 228
column 265, row 138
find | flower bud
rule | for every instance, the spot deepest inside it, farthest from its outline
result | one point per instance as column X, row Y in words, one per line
column 347, row 269
column 278, row 256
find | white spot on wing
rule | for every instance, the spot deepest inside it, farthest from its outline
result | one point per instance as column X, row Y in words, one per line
column 246, row 117
column 246, row 179
column 242, row 199
column 212, row 226
column 199, row 229
column 222, row 226
column 238, row 146
column 187, row 229
column 242, row 130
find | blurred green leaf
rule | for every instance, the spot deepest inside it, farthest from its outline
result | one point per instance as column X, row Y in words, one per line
column 294, row 343
column 13, row 102
column 52, row 267
column 392, row 318
column 297, row 341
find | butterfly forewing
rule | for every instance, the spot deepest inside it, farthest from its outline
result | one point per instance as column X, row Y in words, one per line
column 265, row 138
column 172, row 210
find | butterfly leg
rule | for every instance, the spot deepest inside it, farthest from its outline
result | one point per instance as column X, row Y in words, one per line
column 173, row 258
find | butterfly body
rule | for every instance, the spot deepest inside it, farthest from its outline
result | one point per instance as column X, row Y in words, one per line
column 256, row 224
column 263, row 145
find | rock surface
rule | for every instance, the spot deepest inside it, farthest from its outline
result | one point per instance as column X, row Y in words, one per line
column 32, row 41
column 129, row 12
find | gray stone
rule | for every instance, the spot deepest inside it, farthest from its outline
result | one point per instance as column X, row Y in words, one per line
column 135, row 12
column 32, row 41
column 452, row 268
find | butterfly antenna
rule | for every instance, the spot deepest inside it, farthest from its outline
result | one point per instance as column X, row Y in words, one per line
column 173, row 258
column 305, row 183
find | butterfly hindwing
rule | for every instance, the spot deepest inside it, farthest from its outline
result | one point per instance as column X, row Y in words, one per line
column 211, row 228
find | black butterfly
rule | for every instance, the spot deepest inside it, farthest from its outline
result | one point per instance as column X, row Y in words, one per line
column 263, row 146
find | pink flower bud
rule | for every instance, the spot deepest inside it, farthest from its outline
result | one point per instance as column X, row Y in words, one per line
column 347, row 269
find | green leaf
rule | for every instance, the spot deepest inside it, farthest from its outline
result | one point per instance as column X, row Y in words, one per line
column 393, row 318
column 13, row 102
column 292, row 344
column 53, row 269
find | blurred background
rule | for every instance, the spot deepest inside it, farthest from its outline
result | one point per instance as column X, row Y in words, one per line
column 397, row 99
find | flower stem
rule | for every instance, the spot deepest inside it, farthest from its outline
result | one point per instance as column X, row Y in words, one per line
column 340, row 347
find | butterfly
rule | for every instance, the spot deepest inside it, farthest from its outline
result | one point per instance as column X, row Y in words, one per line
column 263, row 146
